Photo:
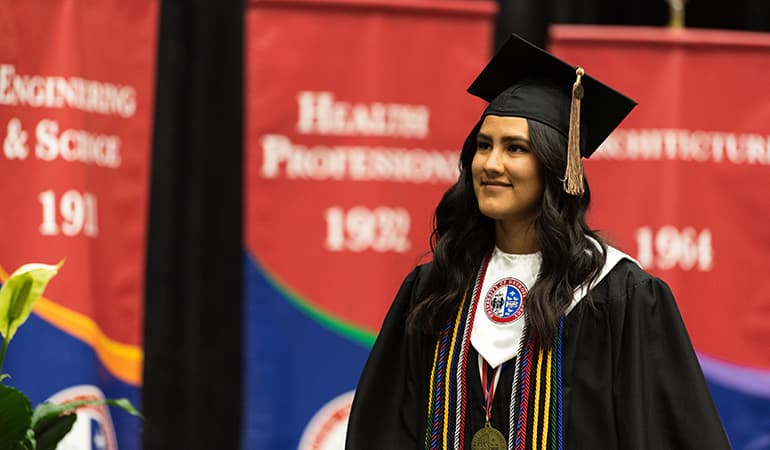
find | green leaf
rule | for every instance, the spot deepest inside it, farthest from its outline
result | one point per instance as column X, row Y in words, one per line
column 48, row 438
column 15, row 417
column 47, row 412
column 30, row 441
column 126, row 405
column 52, row 421
column 19, row 294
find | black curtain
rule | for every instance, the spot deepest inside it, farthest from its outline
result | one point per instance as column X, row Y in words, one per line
column 530, row 18
column 192, row 372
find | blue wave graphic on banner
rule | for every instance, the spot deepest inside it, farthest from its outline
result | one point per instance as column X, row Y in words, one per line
column 293, row 365
column 44, row 360
column 742, row 396
column 746, row 418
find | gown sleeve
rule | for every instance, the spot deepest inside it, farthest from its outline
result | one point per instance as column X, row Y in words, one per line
column 660, row 395
column 387, row 411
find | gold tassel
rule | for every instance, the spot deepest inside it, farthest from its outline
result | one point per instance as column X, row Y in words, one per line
column 573, row 177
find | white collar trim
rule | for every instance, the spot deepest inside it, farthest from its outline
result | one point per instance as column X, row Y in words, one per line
column 614, row 256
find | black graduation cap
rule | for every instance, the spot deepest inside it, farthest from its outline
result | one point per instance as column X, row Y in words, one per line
column 523, row 80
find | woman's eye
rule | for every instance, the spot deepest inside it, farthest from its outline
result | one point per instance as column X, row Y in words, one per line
column 483, row 146
column 517, row 149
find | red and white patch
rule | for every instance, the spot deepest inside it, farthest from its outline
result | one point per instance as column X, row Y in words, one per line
column 93, row 428
column 328, row 427
column 504, row 301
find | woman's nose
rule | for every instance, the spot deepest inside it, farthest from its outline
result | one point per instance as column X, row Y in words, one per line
column 494, row 163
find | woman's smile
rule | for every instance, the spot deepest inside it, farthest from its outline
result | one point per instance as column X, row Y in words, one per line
column 496, row 185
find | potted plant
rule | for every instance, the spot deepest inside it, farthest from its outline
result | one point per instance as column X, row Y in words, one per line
column 21, row 427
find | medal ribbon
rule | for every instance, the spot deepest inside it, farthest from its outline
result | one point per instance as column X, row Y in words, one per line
column 488, row 386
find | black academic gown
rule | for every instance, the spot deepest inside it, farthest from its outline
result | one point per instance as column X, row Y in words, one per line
column 630, row 376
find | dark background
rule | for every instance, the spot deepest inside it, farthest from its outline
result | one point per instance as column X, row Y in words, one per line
column 530, row 18
column 194, row 293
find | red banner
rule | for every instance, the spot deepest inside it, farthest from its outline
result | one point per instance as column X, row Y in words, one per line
column 355, row 117
column 356, row 111
column 682, row 186
column 76, row 105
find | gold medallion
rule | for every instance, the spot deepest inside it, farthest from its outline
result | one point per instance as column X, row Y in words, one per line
column 488, row 438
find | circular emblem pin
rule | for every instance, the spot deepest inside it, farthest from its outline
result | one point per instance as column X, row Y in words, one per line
column 505, row 300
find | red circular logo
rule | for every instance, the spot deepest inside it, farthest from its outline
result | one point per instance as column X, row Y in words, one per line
column 504, row 302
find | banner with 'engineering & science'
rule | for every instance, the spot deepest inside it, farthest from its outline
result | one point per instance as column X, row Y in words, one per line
column 76, row 104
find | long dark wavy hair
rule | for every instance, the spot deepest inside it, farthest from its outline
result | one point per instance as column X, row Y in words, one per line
column 462, row 237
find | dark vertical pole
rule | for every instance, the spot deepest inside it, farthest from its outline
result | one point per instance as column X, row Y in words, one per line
column 192, row 374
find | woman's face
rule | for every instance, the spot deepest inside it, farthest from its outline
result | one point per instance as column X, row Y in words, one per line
column 506, row 174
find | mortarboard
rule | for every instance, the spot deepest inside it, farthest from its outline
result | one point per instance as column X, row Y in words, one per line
column 523, row 80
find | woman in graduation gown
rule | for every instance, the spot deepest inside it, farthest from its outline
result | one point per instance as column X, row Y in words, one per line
column 527, row 330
